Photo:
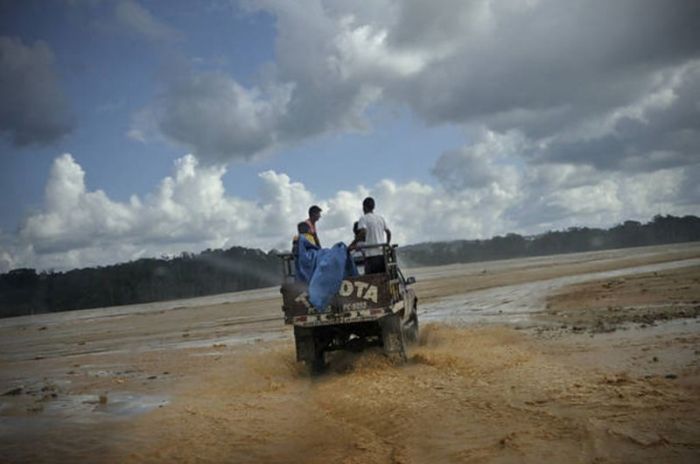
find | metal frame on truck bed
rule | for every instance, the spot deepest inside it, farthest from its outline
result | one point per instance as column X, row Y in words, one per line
column 369, row 309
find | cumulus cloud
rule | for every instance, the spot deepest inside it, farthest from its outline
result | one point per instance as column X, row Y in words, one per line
column 187, row 211
column 190, row 210
column 475, row 166
column 559, row 196
column 329, row 68
column 613, row 86
column 219, row 118
column 529, row 197
column 136, row 19
column 33, row 109
column 574, row 113
column 74, row 217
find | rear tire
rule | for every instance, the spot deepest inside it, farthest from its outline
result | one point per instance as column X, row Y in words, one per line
column 318, row 364
column 392, row 337
column 310, row 349
column 410, row 329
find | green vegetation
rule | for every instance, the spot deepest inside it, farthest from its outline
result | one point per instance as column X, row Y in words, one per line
column 24, row 291
column 661, row 230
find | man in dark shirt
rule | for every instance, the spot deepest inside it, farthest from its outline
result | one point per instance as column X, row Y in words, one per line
column 314, row 216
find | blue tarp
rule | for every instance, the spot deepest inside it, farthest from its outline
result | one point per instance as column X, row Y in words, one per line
column 323, row 269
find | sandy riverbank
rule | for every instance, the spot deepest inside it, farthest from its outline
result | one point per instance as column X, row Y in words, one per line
column 589, row 357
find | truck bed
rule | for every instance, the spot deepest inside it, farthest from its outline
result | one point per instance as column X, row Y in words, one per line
column 360, row 298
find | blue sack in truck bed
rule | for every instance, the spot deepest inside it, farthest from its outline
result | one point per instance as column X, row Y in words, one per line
column 305, row 260
column 324, row 270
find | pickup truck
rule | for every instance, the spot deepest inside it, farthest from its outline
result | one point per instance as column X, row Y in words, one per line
column 368, row 310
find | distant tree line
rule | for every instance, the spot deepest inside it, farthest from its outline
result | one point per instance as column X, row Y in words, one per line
column 24, row 291
column 660, row 230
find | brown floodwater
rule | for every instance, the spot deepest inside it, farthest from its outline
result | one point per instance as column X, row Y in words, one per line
column 219, row 382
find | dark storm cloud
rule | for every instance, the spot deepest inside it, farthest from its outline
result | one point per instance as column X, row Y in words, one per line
column 610, row 85
column 690, row 188
column 32, row 106
column 576, row 58
column 546, row 69
column 660, row 138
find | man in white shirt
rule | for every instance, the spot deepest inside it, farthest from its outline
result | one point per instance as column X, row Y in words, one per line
column 372, row 230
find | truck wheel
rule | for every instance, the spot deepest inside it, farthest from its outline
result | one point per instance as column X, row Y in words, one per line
column 310, row 349
column 392, row 337
column 317, row 358
column 410, row 329
column 318, row 364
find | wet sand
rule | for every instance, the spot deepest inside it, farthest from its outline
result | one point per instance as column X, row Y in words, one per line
column 590, row 357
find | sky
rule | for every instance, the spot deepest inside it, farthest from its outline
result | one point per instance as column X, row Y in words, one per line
column 145, row 128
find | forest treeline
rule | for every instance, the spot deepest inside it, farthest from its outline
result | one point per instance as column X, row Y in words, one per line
column 26, row 291
column 660, row 230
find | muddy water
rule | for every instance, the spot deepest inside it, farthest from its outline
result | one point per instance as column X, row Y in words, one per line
column 489, row 394
column 69, row 428
column 219, row 383
column 467, row 395
column 514, row 304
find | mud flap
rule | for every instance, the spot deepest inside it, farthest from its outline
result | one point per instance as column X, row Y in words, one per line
column 304, row 341
column 309, row 349
column 392, row 337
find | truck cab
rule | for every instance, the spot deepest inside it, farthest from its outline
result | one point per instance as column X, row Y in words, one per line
column 369, row 310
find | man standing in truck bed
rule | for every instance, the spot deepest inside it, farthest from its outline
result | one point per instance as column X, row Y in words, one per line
column 314, row 216
column 372, row 231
